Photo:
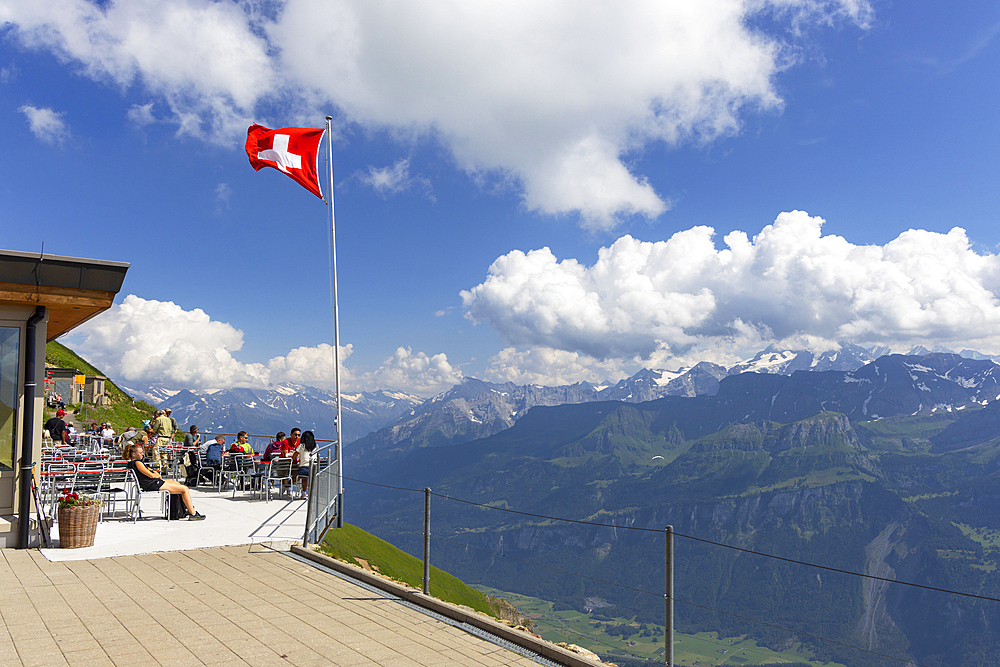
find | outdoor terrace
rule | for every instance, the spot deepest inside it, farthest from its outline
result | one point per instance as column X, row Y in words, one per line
column 226, row 591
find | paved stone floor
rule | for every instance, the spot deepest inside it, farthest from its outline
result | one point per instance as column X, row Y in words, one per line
column 231, row 521
column 236, row 605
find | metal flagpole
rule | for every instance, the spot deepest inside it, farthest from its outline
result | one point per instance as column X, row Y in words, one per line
column 336, row 332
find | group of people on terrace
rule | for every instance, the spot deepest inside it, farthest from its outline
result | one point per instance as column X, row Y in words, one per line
column 299, row 446
column 148, row 450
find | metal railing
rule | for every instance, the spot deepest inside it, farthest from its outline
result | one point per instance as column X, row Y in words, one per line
column 324, row 497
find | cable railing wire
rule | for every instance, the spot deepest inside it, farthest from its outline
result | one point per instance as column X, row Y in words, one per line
column 597, row 524
column 519, row 560
column 529, row 562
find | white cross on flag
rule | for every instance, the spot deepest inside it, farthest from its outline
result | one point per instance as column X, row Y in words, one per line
column 293, row 150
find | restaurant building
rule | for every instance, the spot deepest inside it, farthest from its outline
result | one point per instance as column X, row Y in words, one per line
column 41, row 298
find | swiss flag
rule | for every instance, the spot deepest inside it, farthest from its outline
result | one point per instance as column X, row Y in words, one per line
column 293, row 150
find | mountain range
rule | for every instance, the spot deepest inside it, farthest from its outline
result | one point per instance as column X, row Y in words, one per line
column 469, row 410
column 890, row 470
column 267, row 411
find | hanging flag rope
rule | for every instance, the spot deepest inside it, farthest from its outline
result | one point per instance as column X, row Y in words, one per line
column 292, row 150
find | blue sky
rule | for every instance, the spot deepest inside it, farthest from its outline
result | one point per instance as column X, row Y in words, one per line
column 524, row 190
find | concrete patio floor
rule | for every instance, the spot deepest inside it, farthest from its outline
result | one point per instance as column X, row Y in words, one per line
column 229, row 521
column 239, row 605
column 227, row 591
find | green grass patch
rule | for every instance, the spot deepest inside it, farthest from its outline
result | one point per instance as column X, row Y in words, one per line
column 122, row 412
column 929, row 496
column 358, row 547
column 988, row 537
column 906, row 434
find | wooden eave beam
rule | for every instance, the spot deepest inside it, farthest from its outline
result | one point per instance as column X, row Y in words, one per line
column 68, row 306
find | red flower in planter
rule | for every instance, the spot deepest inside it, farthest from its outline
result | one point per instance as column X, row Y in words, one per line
column 69, row 499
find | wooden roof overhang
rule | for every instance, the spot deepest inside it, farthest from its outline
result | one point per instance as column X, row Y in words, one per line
column 72, row 289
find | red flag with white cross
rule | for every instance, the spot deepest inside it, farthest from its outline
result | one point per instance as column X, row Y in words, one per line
column 292, row 150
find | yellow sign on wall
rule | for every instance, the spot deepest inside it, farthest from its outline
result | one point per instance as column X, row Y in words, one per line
column 79, row 379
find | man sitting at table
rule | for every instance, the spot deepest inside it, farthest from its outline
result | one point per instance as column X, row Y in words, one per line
column 291, row 443
column 242, row 444
column 213, row 455
column 193, row 438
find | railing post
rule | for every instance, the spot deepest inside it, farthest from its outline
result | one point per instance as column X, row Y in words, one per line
column 668, row 598
column 340, row 483
column 310, row 512
column 427, row 540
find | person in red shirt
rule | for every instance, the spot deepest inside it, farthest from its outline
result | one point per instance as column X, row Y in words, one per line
column 289, row 444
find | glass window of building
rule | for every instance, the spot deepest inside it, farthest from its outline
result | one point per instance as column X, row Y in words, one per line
column 10, row 339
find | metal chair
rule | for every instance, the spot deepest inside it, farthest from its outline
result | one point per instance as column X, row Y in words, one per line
column 88, row 476
column 279, row 471
column 114, row 483
column 135, row 497
column 209, row 470
column 247, row 476
column 229, row 472
column 55, row 478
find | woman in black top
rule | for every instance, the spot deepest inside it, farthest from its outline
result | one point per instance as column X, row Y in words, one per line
column 153, row 481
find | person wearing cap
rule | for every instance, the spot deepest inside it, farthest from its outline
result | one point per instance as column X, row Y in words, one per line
column 137, row 436
column 163, row 429
column 56, row 427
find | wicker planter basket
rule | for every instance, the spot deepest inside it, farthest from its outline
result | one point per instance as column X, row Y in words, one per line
column 78, row 525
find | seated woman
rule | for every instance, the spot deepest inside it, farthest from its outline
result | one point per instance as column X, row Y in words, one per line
column 153, row 481
column 303, row 457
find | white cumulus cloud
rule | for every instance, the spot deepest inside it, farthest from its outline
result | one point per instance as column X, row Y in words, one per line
column 206, row 60
column 551, row 96
column 419, row 372
column 46, row 124
column 158, row 342
column 312, row 366
column 684, row 299
column 550, row 367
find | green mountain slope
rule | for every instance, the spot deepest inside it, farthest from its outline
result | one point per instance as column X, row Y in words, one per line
column 122, row 412
column 870, row 498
